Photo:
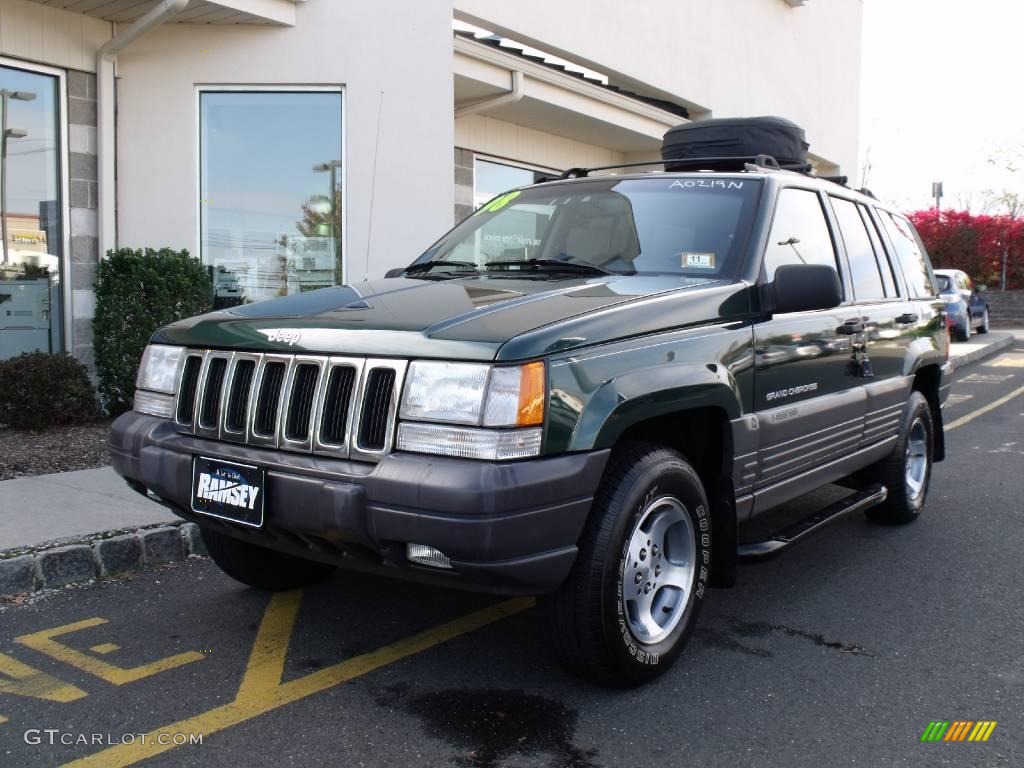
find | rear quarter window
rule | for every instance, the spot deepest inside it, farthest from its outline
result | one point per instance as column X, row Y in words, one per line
column 910, row 253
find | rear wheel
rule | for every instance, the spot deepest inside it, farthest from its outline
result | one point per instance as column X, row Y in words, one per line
column 630, row 604
column 260, row 567
column 906, row 472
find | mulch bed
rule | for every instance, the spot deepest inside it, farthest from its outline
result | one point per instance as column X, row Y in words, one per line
column 61, row 449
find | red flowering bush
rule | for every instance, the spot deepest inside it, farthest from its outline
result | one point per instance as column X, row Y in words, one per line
column 975, row 244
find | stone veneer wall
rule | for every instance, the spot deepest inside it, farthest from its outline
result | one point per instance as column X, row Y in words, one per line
column 463, row 183
column 84, row 199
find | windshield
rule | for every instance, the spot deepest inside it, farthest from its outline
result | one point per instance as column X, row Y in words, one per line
column 945, row 284
column 661, row 225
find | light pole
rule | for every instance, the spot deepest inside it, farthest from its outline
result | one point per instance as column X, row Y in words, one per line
column 8, row 133
column 332, row 166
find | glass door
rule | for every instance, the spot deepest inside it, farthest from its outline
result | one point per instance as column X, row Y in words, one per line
column 30, row 213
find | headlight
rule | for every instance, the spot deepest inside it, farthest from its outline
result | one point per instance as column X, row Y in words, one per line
column 159, row 369
column 476, row 395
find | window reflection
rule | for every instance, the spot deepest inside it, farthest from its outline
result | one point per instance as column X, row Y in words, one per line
column 491, row 179
column 271, row 193
column 30, row 258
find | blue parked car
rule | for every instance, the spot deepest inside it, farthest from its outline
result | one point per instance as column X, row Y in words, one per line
column 966, row 310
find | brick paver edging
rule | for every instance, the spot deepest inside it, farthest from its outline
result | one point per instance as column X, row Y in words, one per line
column 49, row 566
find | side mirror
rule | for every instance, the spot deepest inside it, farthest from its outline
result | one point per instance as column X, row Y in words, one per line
column 804, row 287
column 396, row 272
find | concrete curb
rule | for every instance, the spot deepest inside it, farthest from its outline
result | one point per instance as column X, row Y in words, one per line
column 56, row 564
column 980, row 354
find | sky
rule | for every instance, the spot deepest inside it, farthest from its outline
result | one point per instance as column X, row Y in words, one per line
column 940, row 99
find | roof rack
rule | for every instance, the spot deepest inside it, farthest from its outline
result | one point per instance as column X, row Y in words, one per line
column 749, row 163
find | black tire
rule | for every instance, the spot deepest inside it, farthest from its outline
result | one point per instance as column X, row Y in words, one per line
column 587, row 621
column 260, row 567
column 906, row 499
column 983, row 328
column 964, row 334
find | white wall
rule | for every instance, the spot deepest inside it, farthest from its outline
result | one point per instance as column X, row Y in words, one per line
column 50, row 36
column 733, row 57
column 366, row 47
column 515, row 142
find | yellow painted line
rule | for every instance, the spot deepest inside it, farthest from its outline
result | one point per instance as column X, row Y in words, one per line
column 262, row 691
column 19, row 679
column 44, row 642
column 105, row 648
column 988, row 731
column 3, row 719
column 966, row 419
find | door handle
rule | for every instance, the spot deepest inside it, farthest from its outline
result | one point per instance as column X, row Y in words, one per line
column 850, row 327
column 907, row 318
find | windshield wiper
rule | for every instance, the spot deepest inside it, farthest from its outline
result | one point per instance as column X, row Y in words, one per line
column 431, row 270
column 548, row 265
column 426, row 266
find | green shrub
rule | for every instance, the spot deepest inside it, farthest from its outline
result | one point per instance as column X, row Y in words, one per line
column 39, row 390
column 137, row 292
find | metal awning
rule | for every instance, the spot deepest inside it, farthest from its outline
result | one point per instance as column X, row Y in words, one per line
column 275, row 12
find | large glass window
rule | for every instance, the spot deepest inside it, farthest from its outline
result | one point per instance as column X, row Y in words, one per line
column 490, row 179
column 271, row 182
column 30, row 210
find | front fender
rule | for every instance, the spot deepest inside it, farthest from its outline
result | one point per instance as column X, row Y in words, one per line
column 637, row 396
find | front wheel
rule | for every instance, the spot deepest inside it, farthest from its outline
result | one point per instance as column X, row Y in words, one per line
column 631, row 602
column 260, row 567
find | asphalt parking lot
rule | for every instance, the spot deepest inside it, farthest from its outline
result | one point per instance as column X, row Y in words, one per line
column 839, row 653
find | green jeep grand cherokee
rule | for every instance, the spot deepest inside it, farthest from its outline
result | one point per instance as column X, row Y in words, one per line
column 586, row 391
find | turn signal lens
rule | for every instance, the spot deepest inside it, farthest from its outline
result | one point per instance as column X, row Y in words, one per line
column 531, row 395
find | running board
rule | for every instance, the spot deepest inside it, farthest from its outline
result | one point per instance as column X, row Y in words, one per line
column 787, row 537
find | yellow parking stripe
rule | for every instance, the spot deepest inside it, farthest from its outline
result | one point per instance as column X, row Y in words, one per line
column 261, row 690
column 985, row 409
column 988, row 731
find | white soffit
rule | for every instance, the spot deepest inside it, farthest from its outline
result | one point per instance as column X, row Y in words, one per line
column 556, row 102
column 275, row 12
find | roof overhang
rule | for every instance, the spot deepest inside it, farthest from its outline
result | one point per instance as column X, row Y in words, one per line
column 275, row 12
column 556, row 102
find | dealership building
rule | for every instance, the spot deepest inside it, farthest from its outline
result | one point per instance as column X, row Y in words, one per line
column 296, row 144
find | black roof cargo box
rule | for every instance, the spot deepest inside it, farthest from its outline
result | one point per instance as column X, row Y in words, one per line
column 729, row 143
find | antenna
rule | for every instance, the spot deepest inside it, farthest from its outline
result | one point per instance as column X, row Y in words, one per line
column 373, row 189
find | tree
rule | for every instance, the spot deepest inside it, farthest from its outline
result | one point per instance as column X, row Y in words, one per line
column 977, row 244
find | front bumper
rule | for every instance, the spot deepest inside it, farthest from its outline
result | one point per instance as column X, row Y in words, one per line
column 508, row 528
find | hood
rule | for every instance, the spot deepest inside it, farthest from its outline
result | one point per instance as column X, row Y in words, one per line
column 467, row 318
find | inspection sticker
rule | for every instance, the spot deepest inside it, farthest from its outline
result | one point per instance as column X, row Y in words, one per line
column 698, row 260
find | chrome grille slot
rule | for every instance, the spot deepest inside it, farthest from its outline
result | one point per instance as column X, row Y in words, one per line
column 187, row 390
column 337, row 403
column 338, row 406
column 268, row 401
column 213, row 390
column 380, row 385
column 236, row 410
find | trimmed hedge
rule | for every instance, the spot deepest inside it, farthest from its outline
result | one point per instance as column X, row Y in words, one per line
column 39, row 390
column 137, row 292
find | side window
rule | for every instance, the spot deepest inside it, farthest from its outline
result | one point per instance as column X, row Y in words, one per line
column 884, row 263
column 867, row 280
column 910, row 254
column 799, row 233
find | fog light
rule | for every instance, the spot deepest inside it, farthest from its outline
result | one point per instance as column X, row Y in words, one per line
column 153, row 403
column 424, row 555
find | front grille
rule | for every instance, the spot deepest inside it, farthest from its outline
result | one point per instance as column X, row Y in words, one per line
column 269, row 399
column 337, row 406
column 374, row 422
column 189, row 387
